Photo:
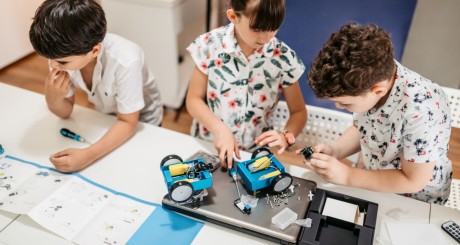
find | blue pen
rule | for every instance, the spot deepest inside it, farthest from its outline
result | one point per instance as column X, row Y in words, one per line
column 69, row 134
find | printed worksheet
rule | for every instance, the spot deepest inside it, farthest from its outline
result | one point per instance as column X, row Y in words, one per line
column 116, row 223
column 12, row 175
column 68, row 205
column 40, row 184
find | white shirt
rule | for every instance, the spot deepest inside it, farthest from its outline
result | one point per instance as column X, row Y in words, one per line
column 122, row 82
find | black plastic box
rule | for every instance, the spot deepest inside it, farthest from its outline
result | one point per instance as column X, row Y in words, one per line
column 330, row 231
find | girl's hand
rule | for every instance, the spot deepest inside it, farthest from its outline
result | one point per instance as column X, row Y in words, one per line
column 273, row 138
column 57, row 85
column 329, row 168
column 226, row 145
column 71, row 160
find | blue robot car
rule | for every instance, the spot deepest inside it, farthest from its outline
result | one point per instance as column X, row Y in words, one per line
column 186, row 181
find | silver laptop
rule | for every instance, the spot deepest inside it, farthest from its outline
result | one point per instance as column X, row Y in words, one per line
column 218, row 207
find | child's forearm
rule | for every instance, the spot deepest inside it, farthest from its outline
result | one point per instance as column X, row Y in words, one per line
column 296, row 122
column 391, row 180
column 62, row 108
column 118, row 133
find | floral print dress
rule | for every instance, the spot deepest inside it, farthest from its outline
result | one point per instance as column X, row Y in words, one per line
column 413, row 124
column 243, row 91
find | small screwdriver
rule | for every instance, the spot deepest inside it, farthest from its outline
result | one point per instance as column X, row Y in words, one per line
column 69, row 134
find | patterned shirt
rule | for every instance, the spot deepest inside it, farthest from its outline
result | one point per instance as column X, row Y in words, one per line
column 413, row 124
column 243, row 91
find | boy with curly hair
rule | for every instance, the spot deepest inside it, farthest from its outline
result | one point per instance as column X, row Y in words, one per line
column 401, row 119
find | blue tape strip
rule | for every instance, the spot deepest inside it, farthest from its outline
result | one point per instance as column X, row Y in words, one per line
column 161, row 227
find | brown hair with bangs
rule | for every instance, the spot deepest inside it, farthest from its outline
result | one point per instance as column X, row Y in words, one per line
column 264, row 15
column 352, row 61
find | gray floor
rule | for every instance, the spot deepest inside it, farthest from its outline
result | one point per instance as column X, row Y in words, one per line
column 433, row 45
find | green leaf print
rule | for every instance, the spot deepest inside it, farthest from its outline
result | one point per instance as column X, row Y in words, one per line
column 267, row 74
column 240, row 82
column 276, row 63
column 240, row 62
column 211, row 104
column 239, row 102
column 220, row 74
column 212, row 84
column 285, row 59
column 289, row 75
column 259, row 64
column 211, row 64
column 224, row 91
column 226, row 69
column 269, row 81
column 286, row 83
column 236, row 64
column 225, row 57
column 248, row 116
column 283, row 49
column 220, row 36
column 258, row 86
column 250, row 90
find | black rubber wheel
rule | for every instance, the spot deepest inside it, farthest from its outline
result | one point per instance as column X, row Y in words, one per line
column 260, row 152
column 281, row 182
column 181, row 191
column 170, row 159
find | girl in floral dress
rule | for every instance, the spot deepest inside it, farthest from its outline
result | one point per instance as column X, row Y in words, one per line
column 241, row 71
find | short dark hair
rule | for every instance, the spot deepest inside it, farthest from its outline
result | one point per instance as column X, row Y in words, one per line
column 264, row 15
column 352, row 61
column 62, row 28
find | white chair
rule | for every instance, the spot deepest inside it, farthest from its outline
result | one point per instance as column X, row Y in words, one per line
column 454, row 101
column 323, row 125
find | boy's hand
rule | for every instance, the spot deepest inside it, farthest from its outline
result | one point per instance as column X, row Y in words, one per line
column 57, row 86
column 274, row 138
column 329, row 168
column 226, row 145
column 71, row 160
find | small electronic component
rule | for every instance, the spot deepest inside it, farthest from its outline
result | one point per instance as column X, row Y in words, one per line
column 245, row 208
column 307, row 152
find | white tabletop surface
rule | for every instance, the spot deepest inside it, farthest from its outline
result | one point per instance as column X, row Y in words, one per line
column 30, row 132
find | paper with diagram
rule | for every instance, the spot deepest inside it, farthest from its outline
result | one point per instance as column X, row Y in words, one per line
column 68, row 205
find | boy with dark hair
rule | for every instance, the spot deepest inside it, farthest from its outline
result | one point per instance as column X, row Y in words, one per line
column 109, row 68
column 401, row 119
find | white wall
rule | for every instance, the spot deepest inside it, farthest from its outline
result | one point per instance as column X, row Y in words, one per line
column 15, row 19
column 433, row 45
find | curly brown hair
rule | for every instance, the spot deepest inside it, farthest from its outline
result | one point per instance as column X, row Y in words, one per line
column 352, row 61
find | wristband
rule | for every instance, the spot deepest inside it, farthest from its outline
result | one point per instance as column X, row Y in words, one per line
column 285, row 132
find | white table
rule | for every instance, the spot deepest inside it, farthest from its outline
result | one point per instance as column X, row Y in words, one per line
column 440, row 214
column 29, row 131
